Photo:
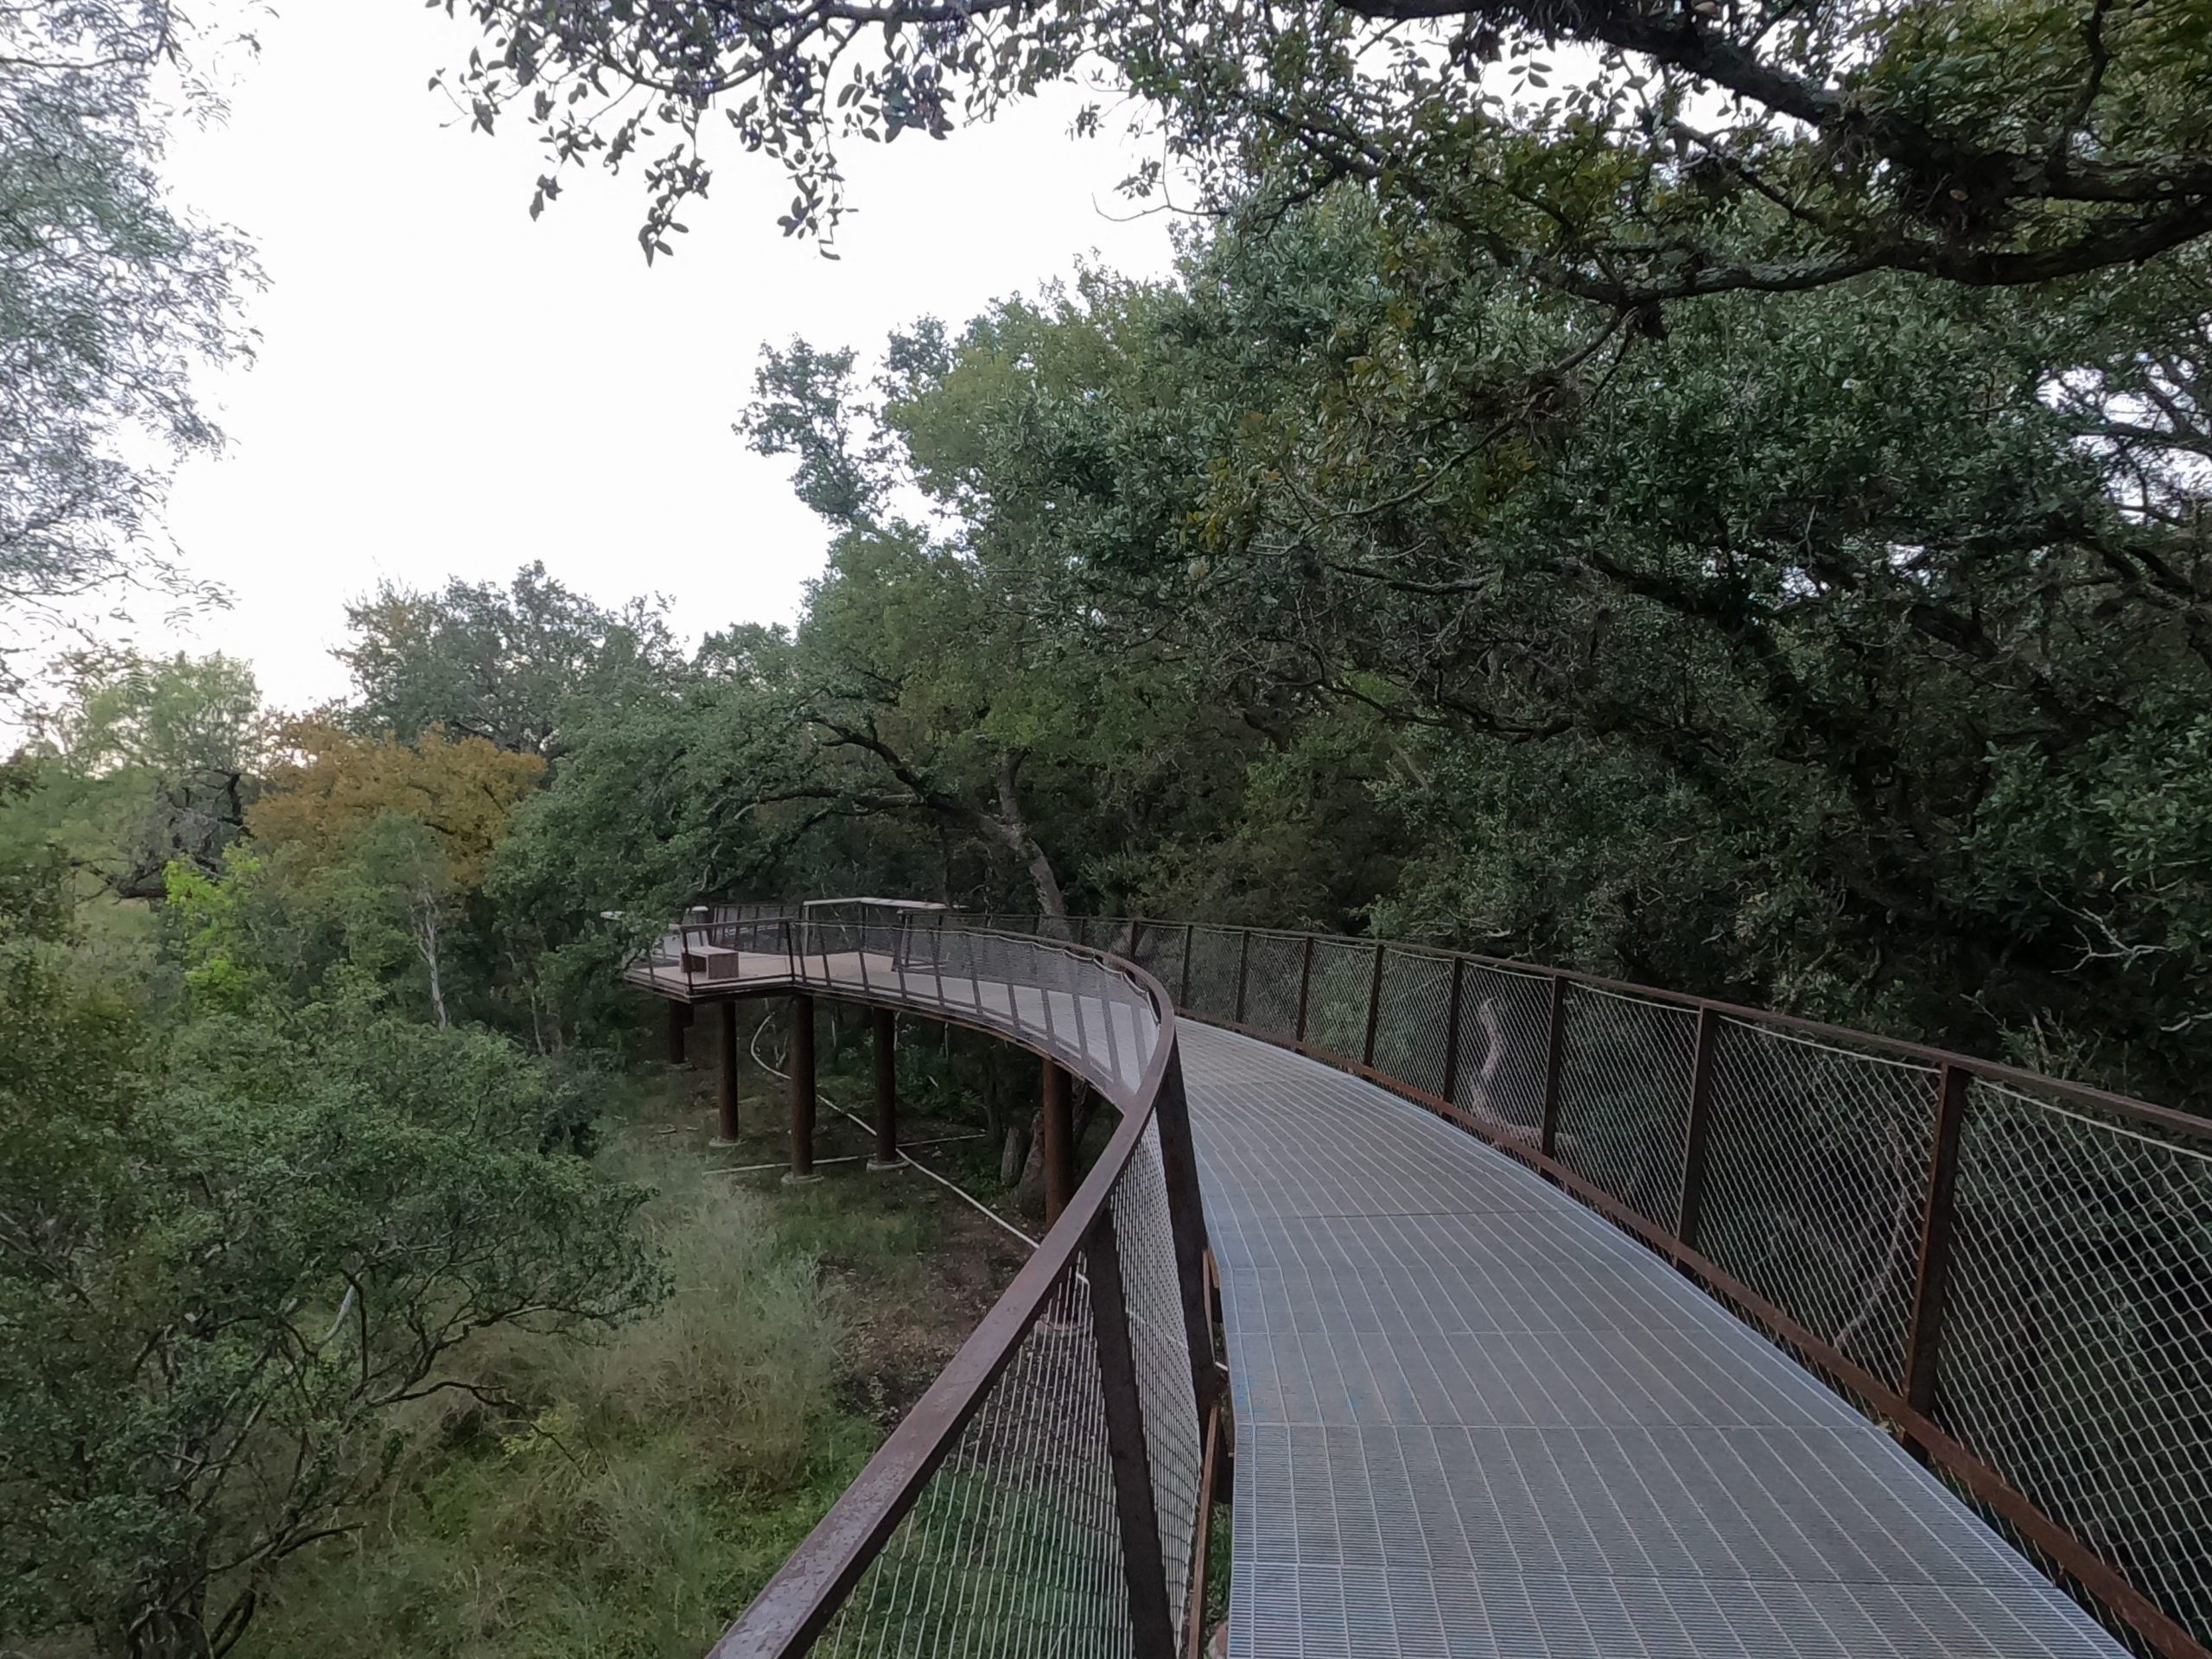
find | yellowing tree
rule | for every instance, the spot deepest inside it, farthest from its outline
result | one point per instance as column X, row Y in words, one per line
column 334, row 785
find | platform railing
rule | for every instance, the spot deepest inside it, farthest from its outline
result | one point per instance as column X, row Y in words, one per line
column 2011, row 1272
column 1044, row 1493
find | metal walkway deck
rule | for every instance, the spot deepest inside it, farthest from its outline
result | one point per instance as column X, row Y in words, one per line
column 1473, row 1418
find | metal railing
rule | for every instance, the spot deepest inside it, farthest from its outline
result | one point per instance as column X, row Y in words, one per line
column 1044, row 1493
column 2011, row 1272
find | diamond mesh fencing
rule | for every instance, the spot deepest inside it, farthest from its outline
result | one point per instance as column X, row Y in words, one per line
column 1504, row 1048
column 1413, row 1019
column 1272, row 966
column 1211, row 990
column 1816, row 1173
column 1013, row 1549
column 2077, row 1342
column 1336, row 998
column 1144, row 1238
column 1623, row 1097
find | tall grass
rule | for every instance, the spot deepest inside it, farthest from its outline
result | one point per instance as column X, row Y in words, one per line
column 617, row 1500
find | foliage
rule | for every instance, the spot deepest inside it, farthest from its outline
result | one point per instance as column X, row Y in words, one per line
column 477, row 662
column 335, row 786
column 1685, row 149
column 157, row 759
column 631, row 1493
column 108, row 293
column 221, row 1274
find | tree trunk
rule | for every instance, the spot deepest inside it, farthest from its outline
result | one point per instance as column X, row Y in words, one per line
column 1050, row 900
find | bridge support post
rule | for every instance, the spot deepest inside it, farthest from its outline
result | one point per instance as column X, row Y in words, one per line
column 1932, row 1283
column 1690, row 1212
column 1186, row 1226
column 1058, row 1151
column 1374, row 1005
column 725, row 1072
column 679, row 1022
column 1554, row 1051
column 1142, row 1560
column 802, row 1086
column 883, row 1034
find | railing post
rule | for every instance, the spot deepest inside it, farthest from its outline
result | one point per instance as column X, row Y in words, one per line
column 1451, row 1089
column 1555, row 1048
column 802, row 1089
column 1179, row 1170
column 726, row 1125
column 1931, row 1283
column 883, row 1034
column 1244, row 964
column 1058, row 1150
column 1143, row 1562
column 1183, row 996
column 1304, row 984
column 1696, row 1129
column 1374, row 1004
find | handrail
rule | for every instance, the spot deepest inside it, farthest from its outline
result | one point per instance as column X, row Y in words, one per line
column 1079, row 1258
column 2014, row 1272
column 1700, row 1089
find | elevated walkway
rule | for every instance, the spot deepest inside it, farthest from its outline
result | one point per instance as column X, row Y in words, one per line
column 1473, row 1418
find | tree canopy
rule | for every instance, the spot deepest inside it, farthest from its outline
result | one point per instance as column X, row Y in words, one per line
column 1628, row 152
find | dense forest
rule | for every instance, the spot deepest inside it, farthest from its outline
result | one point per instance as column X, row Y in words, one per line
column 1685, row 555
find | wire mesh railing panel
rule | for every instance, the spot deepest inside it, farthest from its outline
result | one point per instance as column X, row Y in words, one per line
column 1336, row 998
column 1145, row 1238
column 1504, row 1046
column 1212, row 988
column 1816, row 1177
column 1413, row 1019
column 1273, row 964
column 2077, row 1356
column 1011, row 1548
column 1159, row 949
column 1623, row 1097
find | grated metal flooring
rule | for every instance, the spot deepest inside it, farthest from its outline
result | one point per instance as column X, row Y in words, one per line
column 1473, row 1418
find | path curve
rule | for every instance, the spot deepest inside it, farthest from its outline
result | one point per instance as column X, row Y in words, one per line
column 1473, row 1418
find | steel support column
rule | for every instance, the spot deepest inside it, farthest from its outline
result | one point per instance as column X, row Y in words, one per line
column 1057, row 1141
column 802, row 1085
column 883, row 1029
column 726, row 1125
column 679, row 1022
column 1143, row 1562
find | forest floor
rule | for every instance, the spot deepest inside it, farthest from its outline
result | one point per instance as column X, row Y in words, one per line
column 623, row 1497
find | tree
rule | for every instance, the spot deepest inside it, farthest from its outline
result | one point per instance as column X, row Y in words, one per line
column 1688, row 149
column 219, row 1284
column 479, row 661
column 335, row 786
column 148, row 761
column 109, row 294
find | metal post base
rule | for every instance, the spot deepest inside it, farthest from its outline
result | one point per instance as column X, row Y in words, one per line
column 800, row 1180
column 878, row 1164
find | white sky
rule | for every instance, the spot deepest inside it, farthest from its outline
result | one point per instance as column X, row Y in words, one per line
column 446, row 388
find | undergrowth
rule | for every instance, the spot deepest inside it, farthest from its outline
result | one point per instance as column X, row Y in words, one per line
column 618, row 1499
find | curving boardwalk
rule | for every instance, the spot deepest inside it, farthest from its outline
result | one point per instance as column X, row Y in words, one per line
column 1473, row 1418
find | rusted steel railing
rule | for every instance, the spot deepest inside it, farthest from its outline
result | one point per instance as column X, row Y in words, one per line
column 2012, row 1272
column 1045, row 1494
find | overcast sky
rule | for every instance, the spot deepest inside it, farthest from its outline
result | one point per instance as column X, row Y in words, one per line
column 446, row 388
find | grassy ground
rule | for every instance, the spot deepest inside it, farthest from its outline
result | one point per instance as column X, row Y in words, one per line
column 629, row 1495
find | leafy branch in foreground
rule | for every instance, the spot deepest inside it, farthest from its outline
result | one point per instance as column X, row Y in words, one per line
column 1688, row 149
column 109, row 294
